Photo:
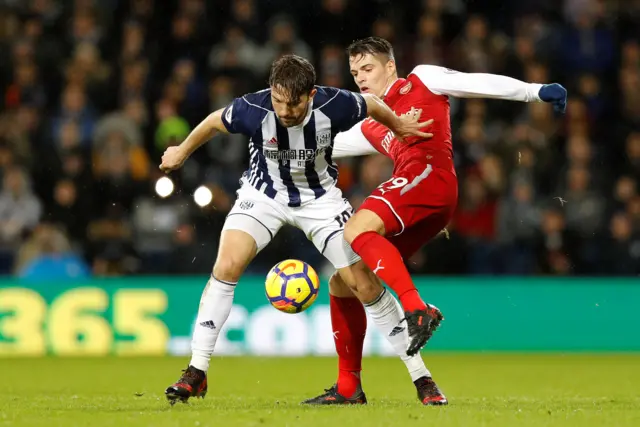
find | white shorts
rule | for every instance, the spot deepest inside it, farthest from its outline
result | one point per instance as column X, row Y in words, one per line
column 322, row 220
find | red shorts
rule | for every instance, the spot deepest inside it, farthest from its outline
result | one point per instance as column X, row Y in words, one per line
column 415, row 205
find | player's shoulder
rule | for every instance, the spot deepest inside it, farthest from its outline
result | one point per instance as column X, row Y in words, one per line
column 245, row 114
column 430, row 76
column 329, row 97
column 427, row 73
column 260, row 100
column 431, row 69
column 325, row 95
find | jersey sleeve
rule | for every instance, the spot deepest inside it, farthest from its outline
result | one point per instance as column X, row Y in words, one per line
column 345, row 108
column 443, row 81
column 352, row 143
column 241, row 116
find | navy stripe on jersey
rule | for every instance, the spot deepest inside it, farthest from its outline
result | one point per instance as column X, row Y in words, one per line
column 311, row 143
column 331, row 167
column 284, row 166
column 262, row 172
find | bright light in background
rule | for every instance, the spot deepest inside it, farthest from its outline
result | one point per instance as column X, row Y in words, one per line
column 202, row 196
column 164, row 187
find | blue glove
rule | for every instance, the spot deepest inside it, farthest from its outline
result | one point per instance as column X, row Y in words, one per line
column 556, row 95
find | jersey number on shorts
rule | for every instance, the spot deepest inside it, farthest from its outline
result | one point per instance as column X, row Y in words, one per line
column 393, row 184
column 343, row 217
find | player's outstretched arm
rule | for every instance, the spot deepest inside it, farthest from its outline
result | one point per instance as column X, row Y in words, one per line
column 174, row 157
column 352, row 143
column 402, row 127
column 443, row 81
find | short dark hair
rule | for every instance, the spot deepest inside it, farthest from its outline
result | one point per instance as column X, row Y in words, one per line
column 373, row 46
column 294, row 74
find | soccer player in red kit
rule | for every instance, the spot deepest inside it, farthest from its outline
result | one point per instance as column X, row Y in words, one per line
column 418, row 201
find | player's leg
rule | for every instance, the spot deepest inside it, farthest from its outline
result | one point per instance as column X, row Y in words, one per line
column 387, row 314
column 349, row 326
column 249, row 227
column 323, row 221
column 236, row 250
column 427, row 390
column 347, row 314
column 384, row 310
column 365, row 232
column 424, row 194
column 348, row 318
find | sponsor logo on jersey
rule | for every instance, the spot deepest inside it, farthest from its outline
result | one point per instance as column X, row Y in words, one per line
column 273, row 141
column 405, row 89
column 306, row 155
column 323, row 138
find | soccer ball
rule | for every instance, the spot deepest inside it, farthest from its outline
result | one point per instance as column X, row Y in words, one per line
column 292, row 286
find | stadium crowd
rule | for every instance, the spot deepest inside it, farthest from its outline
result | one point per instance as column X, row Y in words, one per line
column 93, row 91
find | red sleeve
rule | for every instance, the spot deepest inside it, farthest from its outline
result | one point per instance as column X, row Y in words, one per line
column 379, row 136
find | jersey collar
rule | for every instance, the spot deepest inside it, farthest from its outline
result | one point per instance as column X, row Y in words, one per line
column 396, row 82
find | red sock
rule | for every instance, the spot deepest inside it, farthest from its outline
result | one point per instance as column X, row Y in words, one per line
column 386, row 262
column 349, row 324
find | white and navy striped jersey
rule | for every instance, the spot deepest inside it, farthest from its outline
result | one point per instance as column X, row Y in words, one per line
column 293, row 165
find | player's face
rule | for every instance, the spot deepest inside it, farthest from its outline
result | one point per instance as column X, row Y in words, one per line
column 372, row 74
column 290, row 112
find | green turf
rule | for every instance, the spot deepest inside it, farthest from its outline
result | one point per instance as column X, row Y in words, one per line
column 484, row 390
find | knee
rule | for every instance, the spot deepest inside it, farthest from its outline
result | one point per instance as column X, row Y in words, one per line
column 338, row 287
column 228, row 269
column 362, row 222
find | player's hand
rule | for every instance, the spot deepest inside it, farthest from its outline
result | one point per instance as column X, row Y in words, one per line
column 555, row 94
column 410, row 125
column 172, row 159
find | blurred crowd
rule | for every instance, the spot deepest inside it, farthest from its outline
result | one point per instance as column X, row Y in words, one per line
column 93, row 91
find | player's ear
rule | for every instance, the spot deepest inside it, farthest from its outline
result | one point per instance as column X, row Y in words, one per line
column 391, row 67
column 313, row 93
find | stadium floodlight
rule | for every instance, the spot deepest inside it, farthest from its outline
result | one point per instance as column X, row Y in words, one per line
column 164, row 187
column 202, row 196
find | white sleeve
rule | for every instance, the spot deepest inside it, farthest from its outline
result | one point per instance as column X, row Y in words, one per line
column 443, row 81
column 352, row 143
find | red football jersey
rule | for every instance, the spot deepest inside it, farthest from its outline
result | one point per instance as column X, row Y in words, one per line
column 401, row 96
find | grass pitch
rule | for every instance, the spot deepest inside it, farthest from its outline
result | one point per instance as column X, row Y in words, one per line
column 483, row 389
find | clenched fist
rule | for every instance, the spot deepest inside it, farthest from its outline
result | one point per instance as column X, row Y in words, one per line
column 172, row 159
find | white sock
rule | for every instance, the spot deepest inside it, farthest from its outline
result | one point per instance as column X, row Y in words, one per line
column 386, row 312
column 215, row 306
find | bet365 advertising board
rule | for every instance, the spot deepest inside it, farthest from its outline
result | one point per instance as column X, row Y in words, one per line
column 155, row 316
